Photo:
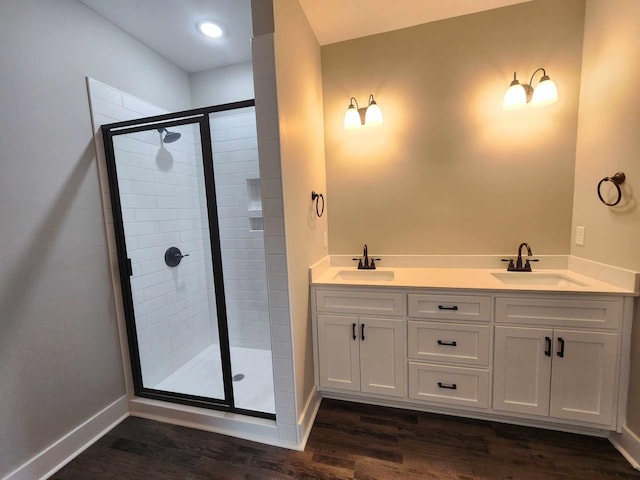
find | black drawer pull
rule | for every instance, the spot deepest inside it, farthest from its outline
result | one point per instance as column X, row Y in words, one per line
column 442, row 307
column 448, row 344
column 449, row 386
column 547, row 350
column 362, row 332
column 561, row 350
column 353, row 330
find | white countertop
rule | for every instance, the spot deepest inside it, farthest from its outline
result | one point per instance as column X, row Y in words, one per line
column 540, row 280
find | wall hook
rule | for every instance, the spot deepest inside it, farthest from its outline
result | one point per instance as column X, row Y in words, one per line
column 617, row 180
column 317, row 197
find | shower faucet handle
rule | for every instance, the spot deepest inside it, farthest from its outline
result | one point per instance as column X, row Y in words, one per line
column 173, row 256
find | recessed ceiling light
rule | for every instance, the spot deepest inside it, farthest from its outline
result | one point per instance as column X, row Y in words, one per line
column 210, row 29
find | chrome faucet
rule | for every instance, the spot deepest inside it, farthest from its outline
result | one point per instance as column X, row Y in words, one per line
column 364, row 263
column 519, row 267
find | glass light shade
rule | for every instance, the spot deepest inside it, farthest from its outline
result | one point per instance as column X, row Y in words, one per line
column 514, row 97
column 351, row 118
column 210, row 29
column 373, row 115
column 545, row 93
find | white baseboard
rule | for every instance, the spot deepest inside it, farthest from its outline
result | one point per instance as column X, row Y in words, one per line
column 65, row 449
column 628, row 444
column 305, row 423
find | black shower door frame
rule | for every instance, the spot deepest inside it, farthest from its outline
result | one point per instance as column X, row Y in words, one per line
column 201, row 117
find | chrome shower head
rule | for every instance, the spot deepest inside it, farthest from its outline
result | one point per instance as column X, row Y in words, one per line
column 169, row 137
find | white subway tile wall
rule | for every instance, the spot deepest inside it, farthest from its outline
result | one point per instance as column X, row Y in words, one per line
column 273, row 213
column 237, row 175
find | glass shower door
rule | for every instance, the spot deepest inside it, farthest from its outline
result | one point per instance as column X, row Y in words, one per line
column 169, row 243
column 240, row 218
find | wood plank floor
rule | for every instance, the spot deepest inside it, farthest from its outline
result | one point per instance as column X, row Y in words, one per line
column 353, row 441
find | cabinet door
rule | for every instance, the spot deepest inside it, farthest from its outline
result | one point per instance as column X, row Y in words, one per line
column 382, row 356
column 583, row 378
column 522, row 369
column 339, row 364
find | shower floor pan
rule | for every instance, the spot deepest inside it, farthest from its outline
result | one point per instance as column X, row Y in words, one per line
column 202, row 376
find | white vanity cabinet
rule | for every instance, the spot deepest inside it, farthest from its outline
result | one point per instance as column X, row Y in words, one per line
column 564, row 373
column 544, row 358
column 361, row 353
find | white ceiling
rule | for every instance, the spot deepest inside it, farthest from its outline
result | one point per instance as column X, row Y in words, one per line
column 338, row 20
column 169, row 26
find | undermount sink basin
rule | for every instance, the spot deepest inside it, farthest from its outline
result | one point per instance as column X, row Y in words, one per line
column 366, row 275
column 534, row 278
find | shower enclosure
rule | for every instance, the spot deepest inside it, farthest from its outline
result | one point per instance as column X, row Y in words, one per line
column 185, row 194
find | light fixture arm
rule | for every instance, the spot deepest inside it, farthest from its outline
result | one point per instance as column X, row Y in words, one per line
column 528, row 87
column 361, row 111
column 544, row 74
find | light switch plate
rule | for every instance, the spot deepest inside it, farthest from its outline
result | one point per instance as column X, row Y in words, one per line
column 580, row 236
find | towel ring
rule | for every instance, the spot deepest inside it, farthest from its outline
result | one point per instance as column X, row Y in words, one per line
column 317, row 197
column 617, row 179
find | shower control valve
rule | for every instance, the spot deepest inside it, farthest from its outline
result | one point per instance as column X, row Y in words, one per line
column 173, row 256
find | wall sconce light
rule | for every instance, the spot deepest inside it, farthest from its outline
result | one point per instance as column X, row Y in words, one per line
column 518, row 95
column 355, row 116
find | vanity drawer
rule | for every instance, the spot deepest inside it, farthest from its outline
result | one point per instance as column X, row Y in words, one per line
column 450, row 307
column 448, row 342
column 559, row 312
column 386, row 304
column 450, row 385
